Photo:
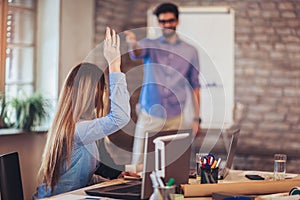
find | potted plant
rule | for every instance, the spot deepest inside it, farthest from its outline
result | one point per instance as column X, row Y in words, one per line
column 30, row 111
column 4, row 120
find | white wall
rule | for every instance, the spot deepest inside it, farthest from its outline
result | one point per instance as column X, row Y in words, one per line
column 65, row 33
column 76, row 34
column 47, row 56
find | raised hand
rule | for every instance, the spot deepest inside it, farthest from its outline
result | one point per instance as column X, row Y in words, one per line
column 130, row 38
column 132, row 43
column 112, row 50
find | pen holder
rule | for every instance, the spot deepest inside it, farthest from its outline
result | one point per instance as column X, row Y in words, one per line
column 167, row 192
column 209, row 175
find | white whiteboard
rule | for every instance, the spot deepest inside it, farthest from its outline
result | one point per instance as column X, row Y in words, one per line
column 211, row 31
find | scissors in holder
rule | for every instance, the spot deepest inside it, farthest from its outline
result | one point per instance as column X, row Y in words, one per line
column 208, row 161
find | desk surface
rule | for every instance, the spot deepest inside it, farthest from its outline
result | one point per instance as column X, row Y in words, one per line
column 234, row 176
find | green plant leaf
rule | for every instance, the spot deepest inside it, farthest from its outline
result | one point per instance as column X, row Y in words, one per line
column 30, row 111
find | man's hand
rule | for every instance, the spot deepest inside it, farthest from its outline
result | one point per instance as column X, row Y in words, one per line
column 131, row 39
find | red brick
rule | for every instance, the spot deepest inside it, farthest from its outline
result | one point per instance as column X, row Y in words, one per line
column 293, row 47
column 265, row 46
column 254, row 13
column 294, row 23
column 286, row 6
column 268, row 6
column 270, row 14
column 274, row 117
column 285, row 31
column 280, row 47
column 291, row 38
column 293, row 119
column 288, row 14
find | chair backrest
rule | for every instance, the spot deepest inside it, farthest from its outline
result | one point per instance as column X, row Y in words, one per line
column 10, row 177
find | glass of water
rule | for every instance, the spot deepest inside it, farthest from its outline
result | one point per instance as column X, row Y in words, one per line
column 279, row 166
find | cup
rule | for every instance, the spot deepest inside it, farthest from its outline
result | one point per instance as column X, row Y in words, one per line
column 209, row 175
column 199, row 165
column 167, row 192
column 279, row 166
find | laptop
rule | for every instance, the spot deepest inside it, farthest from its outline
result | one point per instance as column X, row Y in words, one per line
column 177, row 159
column 231, row 152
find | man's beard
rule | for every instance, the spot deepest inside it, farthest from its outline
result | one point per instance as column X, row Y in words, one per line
column 168, row 33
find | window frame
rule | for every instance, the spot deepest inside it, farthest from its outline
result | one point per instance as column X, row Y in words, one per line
column 4, row 8
column 3, row 44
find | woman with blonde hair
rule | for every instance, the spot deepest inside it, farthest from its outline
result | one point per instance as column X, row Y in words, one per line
column 70, row 155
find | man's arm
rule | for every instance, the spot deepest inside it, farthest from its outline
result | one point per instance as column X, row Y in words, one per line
column 133, row 44
column 196, row 101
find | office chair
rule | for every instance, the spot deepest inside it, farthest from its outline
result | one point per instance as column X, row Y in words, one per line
column 10, row 177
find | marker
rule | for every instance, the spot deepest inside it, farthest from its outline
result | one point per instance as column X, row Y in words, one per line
column 170, row 182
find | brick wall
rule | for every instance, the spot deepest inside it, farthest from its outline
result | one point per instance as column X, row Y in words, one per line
column 267, row 71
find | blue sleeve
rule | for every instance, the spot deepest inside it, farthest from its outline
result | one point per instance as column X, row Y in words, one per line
column 91, row 130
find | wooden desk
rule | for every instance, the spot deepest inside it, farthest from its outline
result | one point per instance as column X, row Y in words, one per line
column 236, row 183
column 234, row 176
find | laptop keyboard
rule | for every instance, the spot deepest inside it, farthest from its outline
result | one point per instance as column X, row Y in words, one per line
column 130, row 189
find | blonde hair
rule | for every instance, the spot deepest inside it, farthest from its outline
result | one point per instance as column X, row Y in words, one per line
column 83, row 97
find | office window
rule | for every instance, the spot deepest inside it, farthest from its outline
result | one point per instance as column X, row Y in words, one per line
column 18, row 18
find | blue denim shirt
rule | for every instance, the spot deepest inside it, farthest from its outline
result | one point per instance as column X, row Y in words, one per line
column 85, row 153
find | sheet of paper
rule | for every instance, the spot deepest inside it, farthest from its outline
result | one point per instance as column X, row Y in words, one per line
column 270, row 175
column 280, row 196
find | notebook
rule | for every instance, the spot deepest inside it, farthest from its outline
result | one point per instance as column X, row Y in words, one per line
column 231, row 152
column 177, row 158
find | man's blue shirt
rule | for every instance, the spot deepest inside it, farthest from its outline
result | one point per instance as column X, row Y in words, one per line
column 170, row 70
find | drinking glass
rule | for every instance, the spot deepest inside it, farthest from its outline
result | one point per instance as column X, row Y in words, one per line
column 279, row 166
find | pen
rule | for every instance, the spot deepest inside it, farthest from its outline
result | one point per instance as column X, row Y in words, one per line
column 219, row 160
column 214, row 164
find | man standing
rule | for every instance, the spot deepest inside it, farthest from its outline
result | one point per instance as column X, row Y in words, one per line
column 171, row 69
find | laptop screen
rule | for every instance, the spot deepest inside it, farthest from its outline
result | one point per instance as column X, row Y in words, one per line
column 232, row 148
column 231, row 153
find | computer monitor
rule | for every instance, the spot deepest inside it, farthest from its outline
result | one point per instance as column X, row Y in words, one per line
column 177, row 159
